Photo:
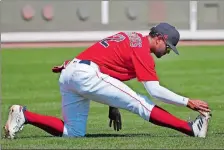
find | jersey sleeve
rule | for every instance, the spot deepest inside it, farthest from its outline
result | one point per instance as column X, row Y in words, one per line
column 144, row 65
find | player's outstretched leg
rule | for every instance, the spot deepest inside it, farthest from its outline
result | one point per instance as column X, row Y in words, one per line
column 18, row 116
column 115, row 93
column 197, row 128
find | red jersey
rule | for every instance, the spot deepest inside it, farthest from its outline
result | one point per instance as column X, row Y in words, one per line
column 123, row 56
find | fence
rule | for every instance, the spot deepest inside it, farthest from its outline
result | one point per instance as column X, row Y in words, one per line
column 70, row 20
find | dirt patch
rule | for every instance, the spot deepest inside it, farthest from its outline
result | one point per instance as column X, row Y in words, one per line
column 86, row 44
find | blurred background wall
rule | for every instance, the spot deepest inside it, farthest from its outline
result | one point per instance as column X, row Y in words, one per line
column 75, row 15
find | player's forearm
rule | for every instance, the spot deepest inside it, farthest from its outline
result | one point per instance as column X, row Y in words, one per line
column 159, row 92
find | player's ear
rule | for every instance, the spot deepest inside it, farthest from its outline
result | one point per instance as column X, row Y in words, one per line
column 157, row 39
column 160, row 40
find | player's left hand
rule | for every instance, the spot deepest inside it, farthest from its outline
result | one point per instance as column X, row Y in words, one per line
column 198, row 105
column 115, row 118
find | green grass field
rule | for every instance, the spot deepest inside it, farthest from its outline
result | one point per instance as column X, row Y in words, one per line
column 198, row 73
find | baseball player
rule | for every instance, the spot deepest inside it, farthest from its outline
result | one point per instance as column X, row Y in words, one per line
column 98, row 74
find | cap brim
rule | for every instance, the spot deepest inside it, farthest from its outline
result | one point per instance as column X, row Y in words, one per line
column 173, row 48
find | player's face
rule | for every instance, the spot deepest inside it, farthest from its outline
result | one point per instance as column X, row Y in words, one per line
column 161, row 48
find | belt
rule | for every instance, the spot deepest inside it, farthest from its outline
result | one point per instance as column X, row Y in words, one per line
column 87, row 62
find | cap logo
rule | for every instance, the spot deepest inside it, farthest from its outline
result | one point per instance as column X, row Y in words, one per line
column 165, row 36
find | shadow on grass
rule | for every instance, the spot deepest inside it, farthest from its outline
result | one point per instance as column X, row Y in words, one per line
column 218, row 133
column 27, row 137
column 41, row 136
column 127, row 135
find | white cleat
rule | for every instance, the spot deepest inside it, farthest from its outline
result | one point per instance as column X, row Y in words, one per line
column 15, row 121
column 200, row 125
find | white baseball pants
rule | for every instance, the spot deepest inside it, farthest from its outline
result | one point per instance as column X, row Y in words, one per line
column 80, row 83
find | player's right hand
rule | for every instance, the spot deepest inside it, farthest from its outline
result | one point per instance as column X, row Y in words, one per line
column 58, row 69
column 198, row 105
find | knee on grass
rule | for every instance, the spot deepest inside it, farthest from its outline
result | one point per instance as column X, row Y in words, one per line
column 72, row 132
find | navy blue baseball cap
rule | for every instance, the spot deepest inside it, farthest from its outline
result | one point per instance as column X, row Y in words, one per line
column 170, row 34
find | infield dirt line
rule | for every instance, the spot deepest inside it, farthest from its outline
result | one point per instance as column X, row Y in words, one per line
column 85, row 44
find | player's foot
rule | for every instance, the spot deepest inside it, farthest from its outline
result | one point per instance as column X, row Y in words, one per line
column 200, row 125
column 15, row 121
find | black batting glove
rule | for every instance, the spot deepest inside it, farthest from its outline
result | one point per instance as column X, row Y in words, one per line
column 115, row 118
